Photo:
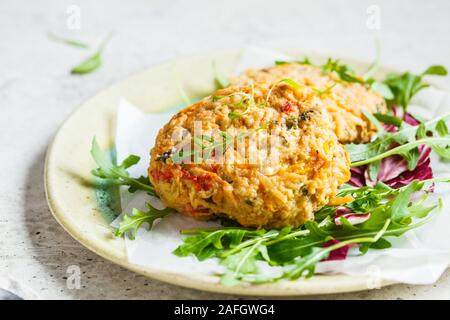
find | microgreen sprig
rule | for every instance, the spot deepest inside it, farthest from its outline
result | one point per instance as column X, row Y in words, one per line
column 70, row 42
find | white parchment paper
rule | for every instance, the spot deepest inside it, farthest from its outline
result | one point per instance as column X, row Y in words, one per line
column 418, row 257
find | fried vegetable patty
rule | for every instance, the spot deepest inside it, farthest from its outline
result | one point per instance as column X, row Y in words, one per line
column 345, row 101
column 264, row 156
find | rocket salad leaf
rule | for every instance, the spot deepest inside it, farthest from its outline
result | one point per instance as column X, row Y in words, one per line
column 297, row 251
column 118, row 174
column 404, row 142
column 131, row 223
column 406, row 85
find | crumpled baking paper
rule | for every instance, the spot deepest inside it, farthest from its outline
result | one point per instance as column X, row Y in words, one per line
column 418, row 257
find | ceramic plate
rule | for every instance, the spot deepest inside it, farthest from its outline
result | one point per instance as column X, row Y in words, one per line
column 74, row 202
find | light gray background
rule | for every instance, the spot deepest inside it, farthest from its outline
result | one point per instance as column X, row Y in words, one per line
column 37, row 93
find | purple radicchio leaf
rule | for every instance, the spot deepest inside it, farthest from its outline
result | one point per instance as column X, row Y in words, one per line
column 394, row 170
column 338, row 254
column 353, row 218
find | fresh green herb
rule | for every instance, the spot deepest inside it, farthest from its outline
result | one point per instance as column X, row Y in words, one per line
column 131, row 223
column 305, row 267
column 343, row 71
column 210, row 242
column 305, row 60
column 245, row 102
column 70, row 42
column 388, row 119
column 118, row 175
column 431, row 133
column 324, row 91
column 205, row 151
column 165, row 155
column 441, row 128
column 305, row 116
column 406, row 85
column 217, row 98
column 290, row 82
column 292, row 123
column 243, row 263
column 297, row 251
column 93, row 62
column 295, row 122
column 234, row 115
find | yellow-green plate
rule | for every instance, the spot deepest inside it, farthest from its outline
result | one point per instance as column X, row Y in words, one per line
column 71, row 196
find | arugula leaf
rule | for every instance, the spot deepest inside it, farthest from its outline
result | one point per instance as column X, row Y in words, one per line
column 406, row 149
column 243, row 262
column 70, row 42
column 432, row 133
column 207, row 244
column 405, row 86
column 305, row 267
column 388, row 119
column 93, row 62
column 435, row 70
column 392, row 213
column 131, row 223
column 286, row 251
column 441, row 128
column 118, row 175
column 400, row 203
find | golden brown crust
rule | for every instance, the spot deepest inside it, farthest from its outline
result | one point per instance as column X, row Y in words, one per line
column 344, row 101
column 308, row 163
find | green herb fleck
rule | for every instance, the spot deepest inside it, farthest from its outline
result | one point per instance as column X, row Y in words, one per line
column 93, row 62
column 70, row 42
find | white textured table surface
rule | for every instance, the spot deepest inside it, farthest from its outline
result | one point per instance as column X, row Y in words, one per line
column 37, row 93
